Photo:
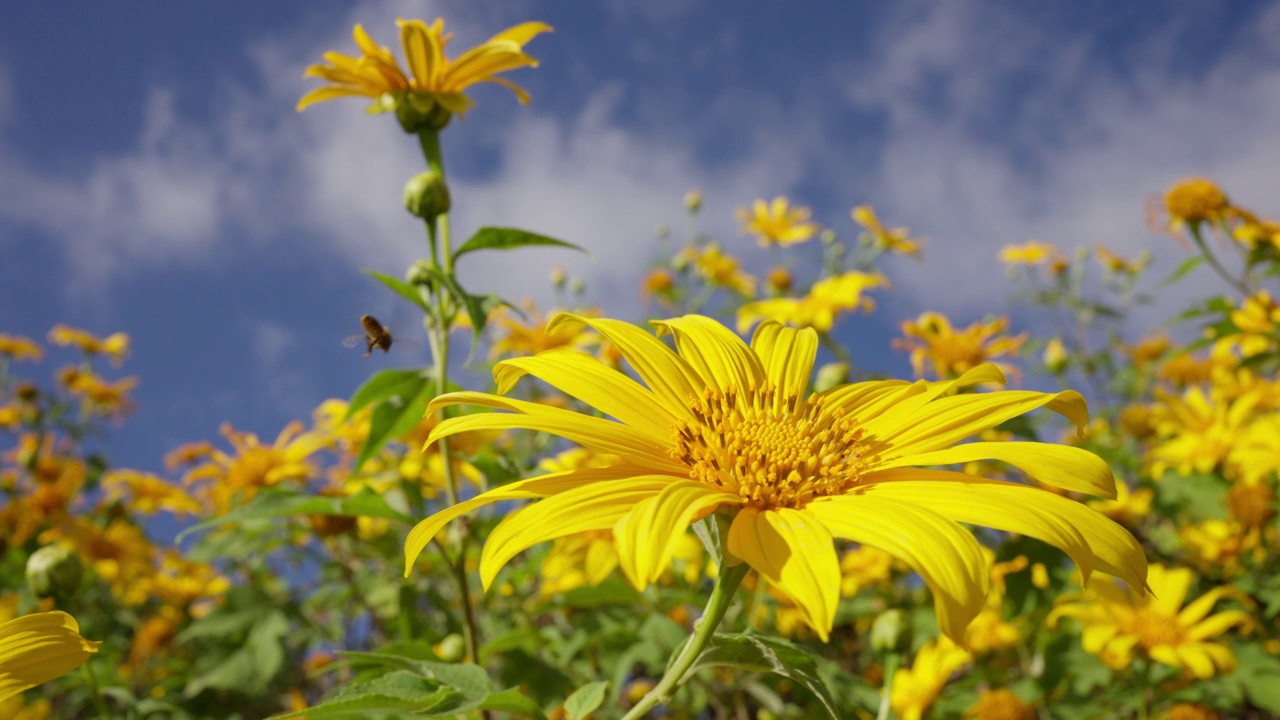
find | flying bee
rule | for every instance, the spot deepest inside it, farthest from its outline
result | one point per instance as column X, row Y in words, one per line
column 376, row 335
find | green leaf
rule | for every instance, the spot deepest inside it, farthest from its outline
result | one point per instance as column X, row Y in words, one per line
column 1184, row 267
column 585, row 700
column 285, row 502
column 762, row 653
column 396, row 414
column 513, row 702
column 400, row 690
column 266, row 649
column 387, row 384
column 1259, row 674
column 403, row 289
column 495, row 238
column 478, row 306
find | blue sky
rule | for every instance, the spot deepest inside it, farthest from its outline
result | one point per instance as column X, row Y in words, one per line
column 155, row 179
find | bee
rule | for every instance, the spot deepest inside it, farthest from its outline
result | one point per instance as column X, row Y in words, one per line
column 376, row 335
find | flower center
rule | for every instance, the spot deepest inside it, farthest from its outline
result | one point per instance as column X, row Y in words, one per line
column 772, row 450
column 959, row 353
column 1154, row 630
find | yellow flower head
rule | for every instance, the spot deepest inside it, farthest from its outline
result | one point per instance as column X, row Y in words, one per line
column 897, row 240
column 864, row 567
column 225, row 479
column 20, row 348
column 516, row 336
column 1120, row 265
column 722, row 425
column 1254, row 232
column 1252, row 503
column 659, row 282
column 1032, row 252
column 435, row 80
column 1188, row 711
column 1129, row 505
column 1217, row 546
column 779, row 279
column 1148, row 349
column 1055, row 355
column 915, row 688
column 826, row 301
column 37, row 648
column 1194, row 200
column 723, row 270
column 114, row 346
column 777, row 223
column 1198, row 429
column 1000, row 705
column 147, row 494
column 931, row 337
column 1119, row 622
column 120, row 554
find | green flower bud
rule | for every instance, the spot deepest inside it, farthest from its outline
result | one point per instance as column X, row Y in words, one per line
column 887, row 632
column 426, row 195
column 451, row 648
column 831, row 375
column 54, row 570
column 414, row 111
column 419, row 273
column 827, row 237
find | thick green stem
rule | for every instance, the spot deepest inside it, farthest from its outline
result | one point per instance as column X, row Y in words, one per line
column 886, row 692
column 727, row 583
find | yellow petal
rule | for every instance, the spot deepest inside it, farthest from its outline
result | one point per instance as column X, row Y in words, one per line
column 520, row 92
column 536, row 487
column 715, row 352
column 1170, row 587
column 416, row 40
column 606, row 436
column 482, row 62
column 946, row 421
column 668, row 375
column 596, row 506
column 329, row 93
column 1198, row 608
column 787, row 355
column 887, row 418
column 1093, row 541
column 602, row 558
column 1063, row 466
column 522, row 33
column 37, row 648
column 1220, row 623
column 946, row 556
column 594, row 383
column 647, row 535
column 797, row 554
column 1194, row 658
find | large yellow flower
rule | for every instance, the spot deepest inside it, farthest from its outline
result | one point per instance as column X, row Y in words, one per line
column 1119, row 622
column 435, row 78
column 726, row 426
column 777, row 222
column 37, row 648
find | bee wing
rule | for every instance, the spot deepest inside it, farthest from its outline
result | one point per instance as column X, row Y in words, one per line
column 408, row 341
column 352, row 340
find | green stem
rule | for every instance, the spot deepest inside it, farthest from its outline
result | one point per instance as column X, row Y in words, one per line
column 1144, row 683
column 98, row 702
column 727, row 583
column 886, row 692
column 1217, row 266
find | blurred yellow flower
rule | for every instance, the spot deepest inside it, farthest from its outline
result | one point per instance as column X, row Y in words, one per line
column 1188, row 711
column 19, row 348
column 659, row 282
column 1194, row 200
column 778, row 279
column 1001, row 705
column 15, row 708
column 865, row 566
column 723, row 425
column 1252, row 503
column 819, row 309
column 1119, row 622
column 114, row 346
column 897, row 240
column 1118, row 264
column 37, row 648
column 575, row 561
column 723, row 270
column 1128, row 507
column 1032, row 252
column 181, row 583
column 1197, row 429
column 1254, row 232
column 954, row 352
column 519, row 337
column 436, row 80
column 120, row 553
column 989, row 631
column 1055, row 355
column 777, row 223
column 1148, row 349
column 1256, row 319
column 1217, row 546
column 916, row 688
column 148, row 494
column 225, row 479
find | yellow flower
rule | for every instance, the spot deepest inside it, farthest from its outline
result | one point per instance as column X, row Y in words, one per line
column 1128, row 506
column 659, row 282
column 989, row 631
column 1197, row 429
column 1032, row 252
column 897, row 240
column 1055, row 355
column 1147, row 349
column 779, row 279
column 1218, row 546
column 120, row 553
column 864, row 567
column 1256, row 320
column 517, row 337
column 181, row 583
column 20, row 348
column 724, row 270
column 436, row 80
column 1119, row 623
column 1118, row 264
column 148, row 494
column 826, row 301
column 577, row 561
column 114, row 346
column 16, row 709
column 225, row 479
column 1194, row 200
column 1254, row 232
column 931, row 337
column 1188, row 711
column 915, row 688
column 1000, row 705
column 777, row 223
column 723, row 425
column 37, row 648
column 1252, row 503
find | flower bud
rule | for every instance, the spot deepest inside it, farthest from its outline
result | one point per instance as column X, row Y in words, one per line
column 1055, row 356
column 54, row 570
column 557, row 276
column 451, row 648
column 693, row 200
column 419, row 273
column 426, row 195
column 577, row 286
column 887, row 631
column 828, row 236
column 831, row 375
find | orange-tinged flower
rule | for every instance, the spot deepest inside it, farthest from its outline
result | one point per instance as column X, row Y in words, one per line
column 1000, row 705
column 865, row 566
column 1194, row 200
column 777, row 223
column 20, row 348
column 37, row 648
column 778, row 279
column 114, row 346
column 1252, row 503
column 953, row 352
column 120, row 553
column 1119, row 623
column 148, row 494
column 720, row 424
column 659, row 282
column 916, row 688
column 723, row 270
column 1188, row 711
column 897, row 240
column 224, row 479
column 825, row 302
column 434, row 80
column 1120, row 265
column 1148, row 349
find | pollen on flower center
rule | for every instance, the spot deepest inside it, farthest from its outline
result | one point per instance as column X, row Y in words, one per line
column 1154, row 630
column 772, row 450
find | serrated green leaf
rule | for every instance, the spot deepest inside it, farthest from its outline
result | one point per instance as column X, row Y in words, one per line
column 286, row 502
column 585, row 699
column 405, row 290
column 762, row 653
column 496, row 238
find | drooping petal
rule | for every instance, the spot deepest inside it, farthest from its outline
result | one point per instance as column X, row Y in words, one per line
column 715, row 352
column 536, row 487
column 787, row 355
column 522, row 33
column 37, row 648
column 1091, row 539
column 1198, row 608
column 598, row 434
column 596, row 506
column 796, row 552
column 1193, row 657
column 594, row 383
column 329, row 93
column 521, row 94
column 945, row 555
column 1216, row 625
column 668, row 375
column 646, row 536
column 1063, row 466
